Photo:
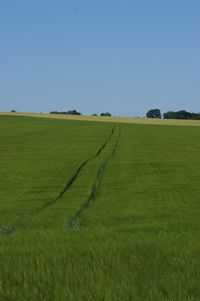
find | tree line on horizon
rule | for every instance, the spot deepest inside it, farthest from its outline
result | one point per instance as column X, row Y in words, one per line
column 182, row 114
column 71, row 112
column 75, row 112
column 153, row 113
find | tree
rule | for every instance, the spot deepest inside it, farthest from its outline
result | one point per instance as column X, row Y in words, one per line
column 105, row 114
column 195, row 116
column 155, row 113
column 169, row 115
column 73, row 112
column 181, row 115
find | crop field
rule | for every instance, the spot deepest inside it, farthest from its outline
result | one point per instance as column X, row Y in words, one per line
column 93, row 211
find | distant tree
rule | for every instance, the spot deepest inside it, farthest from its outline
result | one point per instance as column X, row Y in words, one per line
column 181, row 115
column 195, row 116
column 105, row 114
column 169, row 115
column 154, row 113
column 13, row 111
column 94, row 115
column 56, row 112
column 73, row 112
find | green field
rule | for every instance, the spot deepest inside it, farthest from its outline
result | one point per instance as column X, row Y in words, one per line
column 98, row 211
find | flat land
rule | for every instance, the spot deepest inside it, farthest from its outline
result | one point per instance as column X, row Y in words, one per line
column 98, row 210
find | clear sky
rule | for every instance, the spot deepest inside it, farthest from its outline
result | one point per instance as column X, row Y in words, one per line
column 120, row 56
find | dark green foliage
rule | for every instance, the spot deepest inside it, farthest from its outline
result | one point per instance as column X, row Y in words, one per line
column 56, row 112
column 105, row 114
column 155, row 113
column 73, row 112
column 181, row 115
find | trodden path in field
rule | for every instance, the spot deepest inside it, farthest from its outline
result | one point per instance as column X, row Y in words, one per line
column 75, row 220
column 74, row 176
column 9, row 227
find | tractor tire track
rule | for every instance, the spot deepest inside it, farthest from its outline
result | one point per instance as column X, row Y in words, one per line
column 74, row 176
column 75, row 220
column 9, row 227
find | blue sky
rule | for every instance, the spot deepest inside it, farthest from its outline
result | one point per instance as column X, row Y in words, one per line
column 124, row 57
